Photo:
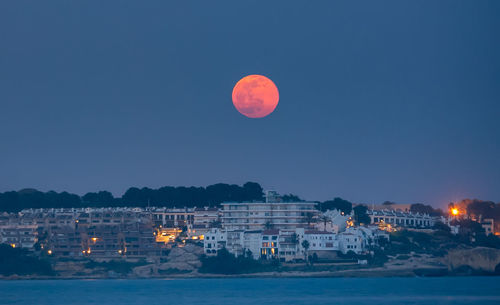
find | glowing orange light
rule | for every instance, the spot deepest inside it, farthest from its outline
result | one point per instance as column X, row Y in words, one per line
column 49, row 252
column 454, row 211
column 255, row 96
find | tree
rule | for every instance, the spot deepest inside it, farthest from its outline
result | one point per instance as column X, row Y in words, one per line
column 439, row 226
column 324, row 219
column 291, row 198
column 360, row 215
column 314, row 258
column 336, row 204
column 227, row 263
column 167, row 196
column 478, row 209
column 19, row 261
column 253, row 191
column 468, row 226
column 305, row 245
column 31, row 198
column 425, row 209
column 248, row 253
column 98, row 199
column 308, row 218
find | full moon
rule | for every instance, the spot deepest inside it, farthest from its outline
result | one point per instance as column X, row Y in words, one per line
column 255, row 96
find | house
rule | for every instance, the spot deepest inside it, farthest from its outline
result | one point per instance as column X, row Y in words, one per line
column 350, row 242
column 215, row 239
column 270, row 242
column 488, row 225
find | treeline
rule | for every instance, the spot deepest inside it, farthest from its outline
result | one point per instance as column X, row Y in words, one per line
column 227, row 263
column 478, row 209
column 426, row 209
column 167, row 196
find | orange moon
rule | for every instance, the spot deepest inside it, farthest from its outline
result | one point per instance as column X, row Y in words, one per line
column 255, row 96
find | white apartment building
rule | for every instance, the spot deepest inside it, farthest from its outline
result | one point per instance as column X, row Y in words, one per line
column 205, row 216
column 268, row 215
column 287, row 245
column 252, row 243
column 321, row 240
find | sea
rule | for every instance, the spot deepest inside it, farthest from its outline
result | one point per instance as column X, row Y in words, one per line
column 242, row 291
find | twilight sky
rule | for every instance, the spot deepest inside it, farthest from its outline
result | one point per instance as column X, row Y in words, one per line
column 393, row 100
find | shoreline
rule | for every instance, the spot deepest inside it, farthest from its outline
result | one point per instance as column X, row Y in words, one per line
column 359, row 273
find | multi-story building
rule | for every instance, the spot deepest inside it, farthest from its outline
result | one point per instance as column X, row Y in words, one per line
column 267, row 215
column 172, row 218
column 488, row 225
column 205, row 216
column 289, row 248
column 215, row 239
column 204, row 219
column 350, row 242
column 321, row 240
column 404, row 219
column 104, row 241
column 23, row 236
column 288, row 245
column 270, row 244
column 252, row 243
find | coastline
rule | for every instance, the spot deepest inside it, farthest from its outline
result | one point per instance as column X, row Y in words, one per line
column 357, row 273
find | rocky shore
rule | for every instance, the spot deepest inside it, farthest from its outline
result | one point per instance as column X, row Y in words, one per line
column 184, row 262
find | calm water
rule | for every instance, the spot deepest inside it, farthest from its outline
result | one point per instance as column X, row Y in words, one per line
column 458, row 290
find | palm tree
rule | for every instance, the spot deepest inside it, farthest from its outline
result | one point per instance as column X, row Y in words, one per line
column 309, row 217
column 325, row 219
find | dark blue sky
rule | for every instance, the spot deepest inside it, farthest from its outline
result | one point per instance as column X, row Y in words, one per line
column 393, row 100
